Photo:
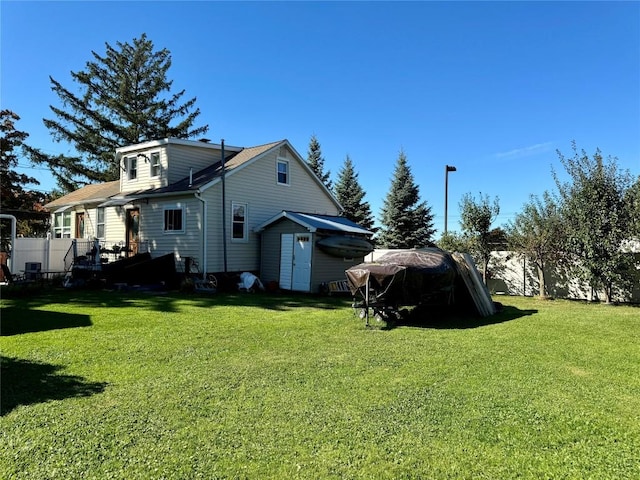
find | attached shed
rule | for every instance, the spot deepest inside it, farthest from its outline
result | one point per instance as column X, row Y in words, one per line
column 291, row 257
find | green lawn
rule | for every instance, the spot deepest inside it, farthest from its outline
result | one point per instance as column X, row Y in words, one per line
column 117, row 385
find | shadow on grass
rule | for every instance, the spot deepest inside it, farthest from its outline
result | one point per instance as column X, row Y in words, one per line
column 276, row 301
column 25, row 382
column 451, row 318
column 16, row 321
column 170, row 301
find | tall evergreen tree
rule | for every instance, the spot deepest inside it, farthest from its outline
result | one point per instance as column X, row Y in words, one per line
column 350, row 194
column 316, row 161
column 407, row 222
column 124, row 99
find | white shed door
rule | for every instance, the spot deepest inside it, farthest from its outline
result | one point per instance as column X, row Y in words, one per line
column 301, row 278
column 286, row 260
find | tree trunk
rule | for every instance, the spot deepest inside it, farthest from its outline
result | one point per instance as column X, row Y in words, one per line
column 608, row 293
column 542, row 284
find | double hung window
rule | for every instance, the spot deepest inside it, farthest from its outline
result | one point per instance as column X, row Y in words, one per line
column 62, row 225
column 100, row 222
column 155, row 164
column 132, row 168
column 239, row 221
column 282, row 172
column 173, row 220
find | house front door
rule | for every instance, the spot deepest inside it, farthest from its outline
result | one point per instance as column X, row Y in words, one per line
column 80, row 225
column 133, row 229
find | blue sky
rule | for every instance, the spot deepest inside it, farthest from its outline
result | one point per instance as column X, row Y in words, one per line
column 493, row 88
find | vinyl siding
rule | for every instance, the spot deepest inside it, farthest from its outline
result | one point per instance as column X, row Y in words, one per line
column 114, row 224
column 182, row 158
column 256, row 185
column 144, row 180
column 327, row 268
column 181, row 244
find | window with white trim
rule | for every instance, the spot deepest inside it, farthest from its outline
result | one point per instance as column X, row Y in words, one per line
column 132, row 168
column 62, row 225
column 239, row 219
column 174, row 220
column 282, row 171
column 100, row 222
column 154, row 164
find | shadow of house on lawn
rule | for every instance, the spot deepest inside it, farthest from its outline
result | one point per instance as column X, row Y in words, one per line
column 25, row 382
column 16, row 321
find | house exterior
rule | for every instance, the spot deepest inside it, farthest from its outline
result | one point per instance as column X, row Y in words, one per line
column 170, row 199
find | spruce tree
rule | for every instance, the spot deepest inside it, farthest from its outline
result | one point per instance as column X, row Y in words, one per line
column 407, row 222
column 316, row 162
column 350, row 194
column 124, row 99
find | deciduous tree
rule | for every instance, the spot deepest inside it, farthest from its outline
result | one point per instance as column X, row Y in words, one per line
column 597, row 218
column 476, row 219
column 124, row 98
column 537, row 233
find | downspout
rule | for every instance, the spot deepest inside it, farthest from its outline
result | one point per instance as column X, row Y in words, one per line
column 224, row 214
column 14, row 228
column 204, row 233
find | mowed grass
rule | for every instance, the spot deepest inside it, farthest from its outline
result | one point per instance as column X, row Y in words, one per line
column 118, row 385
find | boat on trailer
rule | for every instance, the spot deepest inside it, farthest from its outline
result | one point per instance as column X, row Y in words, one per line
column 403, row 278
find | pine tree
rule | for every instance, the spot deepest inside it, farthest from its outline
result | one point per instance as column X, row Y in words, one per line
column 350, row 194
column 316, row 162
column 407, row 222
column 124, row 99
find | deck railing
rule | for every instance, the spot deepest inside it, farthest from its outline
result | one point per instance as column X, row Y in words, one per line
column 96, row 252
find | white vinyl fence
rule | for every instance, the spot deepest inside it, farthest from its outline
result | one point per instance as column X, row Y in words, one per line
column 49, row 252
column 511, row 274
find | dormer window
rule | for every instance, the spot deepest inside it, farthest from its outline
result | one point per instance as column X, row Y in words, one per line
column 132, row 168
column 155, row 164
column 282, row 172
